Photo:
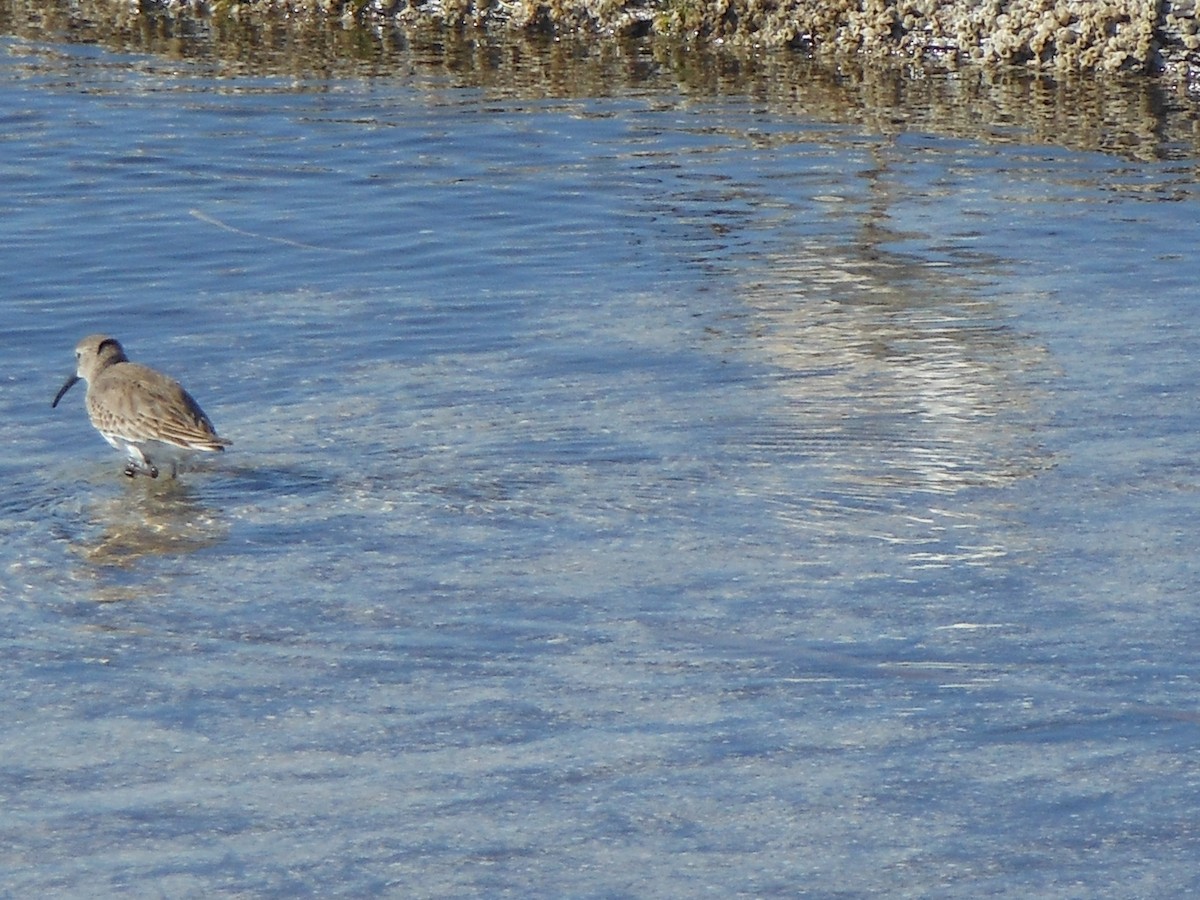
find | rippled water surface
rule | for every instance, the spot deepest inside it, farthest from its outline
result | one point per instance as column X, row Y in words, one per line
column 632, row 495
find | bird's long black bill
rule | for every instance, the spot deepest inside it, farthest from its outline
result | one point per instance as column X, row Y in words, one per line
column 62, row 390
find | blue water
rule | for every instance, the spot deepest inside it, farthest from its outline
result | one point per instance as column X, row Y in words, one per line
column 632, row 495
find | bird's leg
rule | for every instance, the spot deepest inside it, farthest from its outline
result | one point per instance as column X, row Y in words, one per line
column 140, row 463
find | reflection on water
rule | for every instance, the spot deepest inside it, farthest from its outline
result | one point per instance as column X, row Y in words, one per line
column 903, row 394
column 911, row 387
column 1137, row 118
column 150, row 519
column 899, row 381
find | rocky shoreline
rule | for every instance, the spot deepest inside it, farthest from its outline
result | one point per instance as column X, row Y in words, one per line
column 1141, row 36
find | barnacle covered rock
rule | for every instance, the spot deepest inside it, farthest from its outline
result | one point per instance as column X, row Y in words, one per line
column 1047, row 35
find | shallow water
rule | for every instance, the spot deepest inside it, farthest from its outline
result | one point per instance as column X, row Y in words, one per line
column 640, row 494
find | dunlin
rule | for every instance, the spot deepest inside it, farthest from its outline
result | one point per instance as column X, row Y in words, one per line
column 138, row 410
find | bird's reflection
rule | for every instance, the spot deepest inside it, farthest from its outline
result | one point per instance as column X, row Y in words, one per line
column 148, row 519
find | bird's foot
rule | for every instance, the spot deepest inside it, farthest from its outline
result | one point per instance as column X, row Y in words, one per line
column 132, row 469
